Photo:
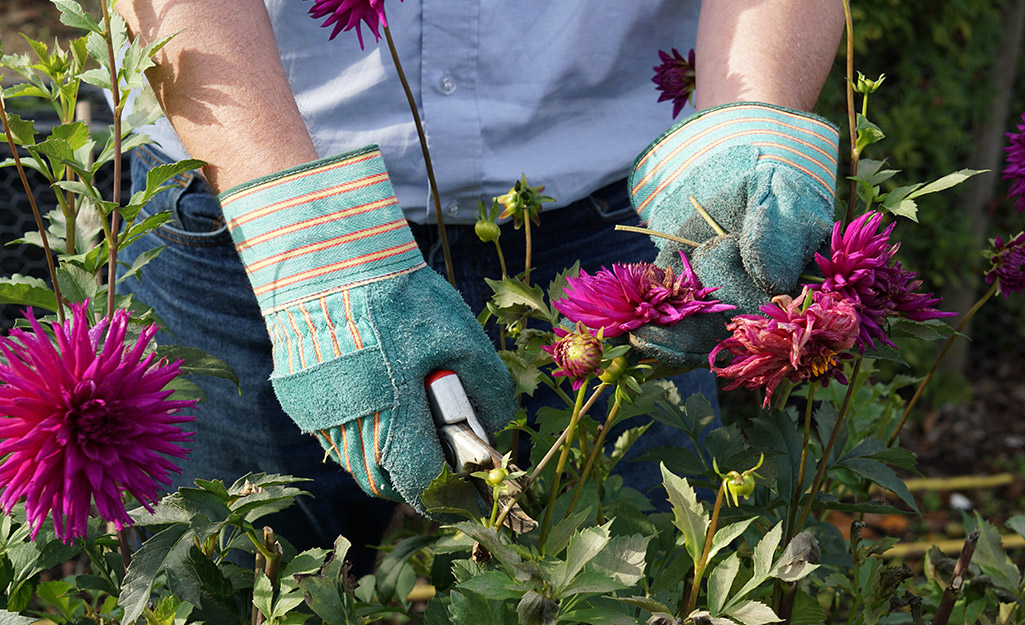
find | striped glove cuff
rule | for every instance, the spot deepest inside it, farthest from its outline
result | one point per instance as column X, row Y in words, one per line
column 318, row 228
column 804, row 142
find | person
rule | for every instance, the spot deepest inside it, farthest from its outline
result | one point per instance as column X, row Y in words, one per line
column 334, row 300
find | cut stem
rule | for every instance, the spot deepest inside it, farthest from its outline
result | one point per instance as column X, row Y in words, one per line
column 598, row 444
column 953, row 589
column 699, row 567
column 656, row 233
column 115, row 214
column 708, row 218
column 427, row 157
column 852, row 194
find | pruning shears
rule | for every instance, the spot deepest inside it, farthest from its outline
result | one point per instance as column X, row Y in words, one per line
column 466, row 446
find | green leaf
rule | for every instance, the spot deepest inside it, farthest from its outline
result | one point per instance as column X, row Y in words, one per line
column 726, row 535
column 96, row 77
column 807, row 610
column 526, row 375
column 450, row 494
column 306, row 563
column 156, row 177
column 495, row 586
column 597, row 616
column 622, row 559
column 761, row 564
column 948, row 181
column 868, row 133
column 582, row 547
column 76, row 284
column 27, row 291
column 515, row 296
column 73, row 15
column 689, row 515
column 993, row 560
column 644, row 603
column 391, row 566
column 721, row 581
column 878, row 473
column 754, row 613
column 467, row 607
column 799, row 558
column 535, row 609
column 1017, row 523
column 13, row 618
column 198, row 362
column 263, row 595
column 166, row 549
column 23, row 130
column 558, row 539
column 324, row 597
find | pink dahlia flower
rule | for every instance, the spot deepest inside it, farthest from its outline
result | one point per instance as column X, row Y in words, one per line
column 1007, row 264
column 1014, row 169
column 788, row 343
column 577, row 354
column 347, row 14
column 629, row 296
column 84, row 421
column 861, row 268
column 674, row 77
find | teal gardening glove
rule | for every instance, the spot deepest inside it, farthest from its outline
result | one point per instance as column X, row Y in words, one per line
column 767, row 176
column 357, row 320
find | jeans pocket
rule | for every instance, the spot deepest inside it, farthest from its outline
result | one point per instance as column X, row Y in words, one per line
column 196, row 216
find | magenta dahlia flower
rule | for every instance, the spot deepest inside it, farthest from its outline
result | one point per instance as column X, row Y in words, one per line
column 1014, row 169
column 347, row 14
column 791, row 342
column 1007, row 265
column 674, row 77
column 577, row 354
column 629, row 296
column 861, row 268
column 85, row 421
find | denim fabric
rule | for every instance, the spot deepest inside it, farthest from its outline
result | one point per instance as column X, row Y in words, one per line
column 200, row 290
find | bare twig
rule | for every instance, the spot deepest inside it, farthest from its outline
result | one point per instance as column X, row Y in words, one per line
column 953, row 589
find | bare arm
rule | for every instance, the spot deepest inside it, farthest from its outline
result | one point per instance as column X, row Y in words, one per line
column 221, row 83
column 773, row 51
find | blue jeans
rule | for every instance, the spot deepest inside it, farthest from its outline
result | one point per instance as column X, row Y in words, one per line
column 200, row 291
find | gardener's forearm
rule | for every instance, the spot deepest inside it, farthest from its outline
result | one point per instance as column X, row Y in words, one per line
column 221, row 83
column 775, row 51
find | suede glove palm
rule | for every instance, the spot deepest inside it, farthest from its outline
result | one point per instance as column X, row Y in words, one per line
column 357, row 320
column 767, row 176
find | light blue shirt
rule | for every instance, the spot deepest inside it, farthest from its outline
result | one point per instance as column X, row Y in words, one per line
column 559, row 90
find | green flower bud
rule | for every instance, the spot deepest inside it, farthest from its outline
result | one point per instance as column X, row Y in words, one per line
column 615, row 370
column 496, row 476
column 487, row 230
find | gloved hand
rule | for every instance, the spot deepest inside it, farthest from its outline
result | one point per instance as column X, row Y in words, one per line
column 767, row 176
column 357, row 319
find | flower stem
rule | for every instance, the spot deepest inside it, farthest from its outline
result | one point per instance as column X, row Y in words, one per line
column 427, row 157
column 528, row 251
column 122, row 543
column 561, row 465
column 699, row 567
column 708, row 218
column 598, row 444
column 844, row 409
column 501, row 258
column 548, row 456
column 935, row 365
column 656, row 233
column 852, row 196
column 35, row 211
column 115, row 214
column 804, row 460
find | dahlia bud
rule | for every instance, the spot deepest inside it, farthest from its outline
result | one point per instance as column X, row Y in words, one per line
column 487, row 231
column 577, row 354
column 523, row 202
column 615, row 370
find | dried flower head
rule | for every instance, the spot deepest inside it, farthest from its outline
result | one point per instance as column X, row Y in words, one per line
column 629, row 296
column 674, row 77
column 795, row 340
column 347, row 14
column 577, row 354
column 1014, row 170
column 861, row 268
column 85, row 420
column 1007, row 265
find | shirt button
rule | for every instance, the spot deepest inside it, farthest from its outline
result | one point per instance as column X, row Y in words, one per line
column 453, row 208
column 447, row 84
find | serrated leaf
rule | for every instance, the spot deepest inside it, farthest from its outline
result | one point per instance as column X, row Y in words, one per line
column 166, row 549
column 27, row 291
column 622, row 559
column 525, row 375
column 583, row 546
column 761, row 560
column 726, row 535
column 689, row 515
column 512, row 294
column 807, row 610
column 23, row 130
column 76, row 284
column 450, row 494
column 754, row 613
column 197, row 362
column 73, row 15
column 721, row 581
column 391, row 566
column 878, row 473
column 536, row 609
column 495, row 586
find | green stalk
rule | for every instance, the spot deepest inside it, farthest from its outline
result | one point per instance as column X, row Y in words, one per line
column 427, row 157
column 561, row 465
column 528, row 252
column 35, row 210
column 935, row 365
column 699, row 567
column 115, row 92
column 804, row 460
column 844, row 409
column 852, row 198
column 598, row 443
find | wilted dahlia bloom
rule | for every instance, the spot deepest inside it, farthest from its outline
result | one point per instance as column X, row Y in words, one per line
column 674, row 77
column 628, row 296
column 346, row 14
column 1007, row 264
column 788, row 343
column 577, row 354
column 85, row 420
column 1014, row 169
column 861, row 268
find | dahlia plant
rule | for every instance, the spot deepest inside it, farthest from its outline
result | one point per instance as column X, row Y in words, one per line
column 738, row 533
